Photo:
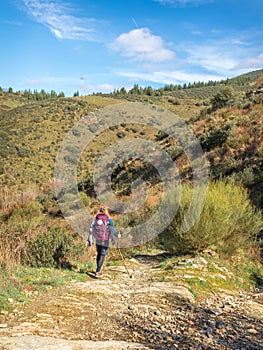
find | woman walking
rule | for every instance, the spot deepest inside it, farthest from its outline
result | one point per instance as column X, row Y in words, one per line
column 102, row 229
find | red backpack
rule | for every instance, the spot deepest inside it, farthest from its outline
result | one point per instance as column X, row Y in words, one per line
column 101, row 228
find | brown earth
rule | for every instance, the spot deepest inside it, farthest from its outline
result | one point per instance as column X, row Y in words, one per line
column 142, row 312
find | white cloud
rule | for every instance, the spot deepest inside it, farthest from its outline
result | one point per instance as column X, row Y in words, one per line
column 57, row 18
column 252, row 62
column 140, row 45
column 89, row 88
column 211, row 58
column 223, row 56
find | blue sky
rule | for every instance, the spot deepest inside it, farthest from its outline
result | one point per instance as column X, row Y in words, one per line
column 96, row 46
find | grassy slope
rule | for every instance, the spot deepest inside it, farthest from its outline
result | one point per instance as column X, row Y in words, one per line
column 32, row 132
column 9, row 101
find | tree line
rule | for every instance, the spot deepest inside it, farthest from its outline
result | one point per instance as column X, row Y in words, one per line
column 35, row 94
column 138, row 90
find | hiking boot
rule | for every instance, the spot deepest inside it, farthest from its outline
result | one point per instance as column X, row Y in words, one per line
column 97, row 275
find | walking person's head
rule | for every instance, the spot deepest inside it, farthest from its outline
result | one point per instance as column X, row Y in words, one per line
column 104, row 209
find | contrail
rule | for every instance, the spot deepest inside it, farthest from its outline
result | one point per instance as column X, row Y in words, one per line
column 135, row 22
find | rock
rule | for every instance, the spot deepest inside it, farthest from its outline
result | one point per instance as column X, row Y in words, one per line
column 253, row 308
column 209, row 331
column 252, row 331
column 216, row 311
column 4, row 312
column 47, row 343
column 43, row 315
column 219, row 324
column 188, row 276
column 172, row 289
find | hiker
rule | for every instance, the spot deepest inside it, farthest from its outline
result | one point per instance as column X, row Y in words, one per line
column 102, row 229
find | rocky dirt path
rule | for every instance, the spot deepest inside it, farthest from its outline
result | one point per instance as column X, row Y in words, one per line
column 142, row 312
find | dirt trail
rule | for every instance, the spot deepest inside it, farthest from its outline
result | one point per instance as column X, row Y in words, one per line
column 142, row 312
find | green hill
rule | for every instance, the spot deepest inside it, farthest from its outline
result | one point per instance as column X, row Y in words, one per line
column 32, row 131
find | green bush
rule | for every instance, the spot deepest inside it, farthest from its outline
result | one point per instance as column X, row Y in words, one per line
column 49, row 203
column 26, row 212
column 50, row 248
column 121, row 134
column 214, row 138
column 224, row 98
column 85, row 199
column 15, row 229
column 175, row 151
column 228, row 222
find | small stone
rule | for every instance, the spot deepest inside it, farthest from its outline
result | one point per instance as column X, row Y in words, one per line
column 209, row 331
column 216, row 311
column 43, row 315
column 219, row 324
column 252, row 331
column 3, row 325
column 4, row 312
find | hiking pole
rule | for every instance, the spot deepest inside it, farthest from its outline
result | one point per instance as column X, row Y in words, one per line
column 128, row 273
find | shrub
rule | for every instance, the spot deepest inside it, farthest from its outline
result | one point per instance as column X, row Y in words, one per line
column 71, row 159
column 49, row 202
column 85, row 199
column 175, row 151
column 26, row 212
column 76, row 132
column 121, row 134
column 214, row 138
column 18, row 225
column 50, row 248
column 228, row 222
column 246, row 177
column 224, row 98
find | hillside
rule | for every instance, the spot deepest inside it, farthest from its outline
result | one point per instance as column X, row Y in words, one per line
column 231, row 136
column 24, row 122
column 9, row 101
column 32, row 133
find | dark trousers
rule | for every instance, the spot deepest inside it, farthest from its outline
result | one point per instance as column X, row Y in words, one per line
column 102, row 251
